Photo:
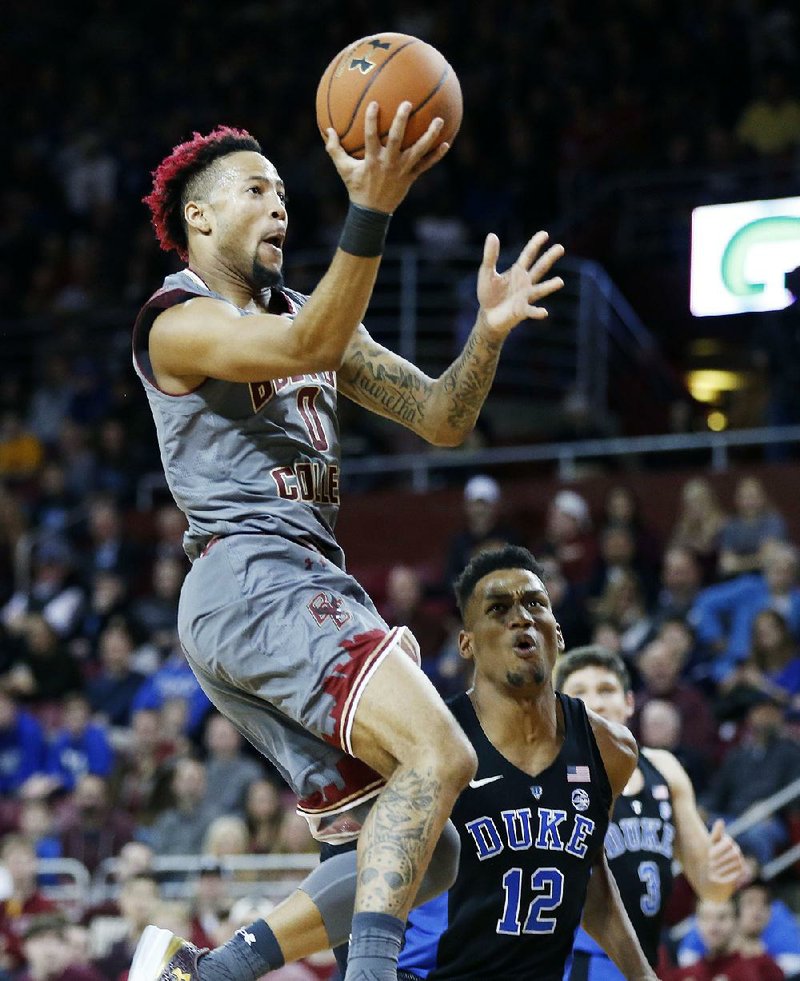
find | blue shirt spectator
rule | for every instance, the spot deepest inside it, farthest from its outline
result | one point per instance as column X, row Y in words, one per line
column 112, row 690
column 174, row 680
column 22, row 745
column 760, row 918
column 754, row 524
column 79, row 747
column 723, row 615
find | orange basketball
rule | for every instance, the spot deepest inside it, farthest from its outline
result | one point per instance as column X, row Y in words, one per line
column 388, row 69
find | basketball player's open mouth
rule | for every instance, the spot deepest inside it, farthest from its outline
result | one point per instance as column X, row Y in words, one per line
column 276, row 241
column 524, row 646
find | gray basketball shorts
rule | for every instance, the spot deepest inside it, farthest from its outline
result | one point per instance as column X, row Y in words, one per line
column 284, row 642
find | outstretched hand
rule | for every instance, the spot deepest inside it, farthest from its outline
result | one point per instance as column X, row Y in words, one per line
column 725, row 860
column 508, row 298
column 383, row 177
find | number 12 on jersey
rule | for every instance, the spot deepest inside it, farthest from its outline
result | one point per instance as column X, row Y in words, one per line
column 548, row 885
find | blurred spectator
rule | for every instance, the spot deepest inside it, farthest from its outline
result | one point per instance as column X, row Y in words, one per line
column 210, row 906
column 405, row 606
column 754, row 523
column 107, row 600
column 80, row 957
column 118, row 465
column 155, row 614
column 770, row 122
column 623, row 603
column 181, row 827
column 21, row 452
column 138, row 897
column 678, row 634
column 568, row 537
column 568, row 604
column 48, row 954
column 25, row 900
column 606, row 633
column 170, row 525
column 78, row 746
column 22, row 745
column 107, row 547
column 718, row 928
column 765, row 761
column 576, row 420
column 723, row 615
column 134, row 858
column 90, row 396
column 139, row 783
column 37, row 824
column 77, row 457
column 660, row 665
column 681, row 581
column 774, row 652
column 54, row 507
column 623, row 509
column 55, row 591
column 485, row 527
column 773, row 665
column 227, row 836
column 174, row 681
column 699, row 523
column 660, row 728
column 113, row 687
column 45, row 671
column 618, row 555
column 765, row 926
column 229, row 773
column 12, row 527
column 50, row 399
column 263, row 813
column 294, row 836
column 97, row 827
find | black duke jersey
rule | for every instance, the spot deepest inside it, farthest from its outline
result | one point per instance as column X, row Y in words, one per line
column 527, row 848
column 639, row 848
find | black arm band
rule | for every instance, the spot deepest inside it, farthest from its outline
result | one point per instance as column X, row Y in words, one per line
column 364, row 231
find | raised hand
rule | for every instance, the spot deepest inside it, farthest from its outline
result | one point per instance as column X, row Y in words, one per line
column 382, row 179
column 508, row 298
column 725, row 861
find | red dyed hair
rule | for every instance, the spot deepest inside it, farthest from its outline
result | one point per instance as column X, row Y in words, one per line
column 174, row 172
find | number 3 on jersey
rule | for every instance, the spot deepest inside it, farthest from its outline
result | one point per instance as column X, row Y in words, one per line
column 307, row 407
column 651, row 879
column 549, row 884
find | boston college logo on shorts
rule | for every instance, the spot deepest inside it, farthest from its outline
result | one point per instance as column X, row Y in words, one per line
column 326, row 606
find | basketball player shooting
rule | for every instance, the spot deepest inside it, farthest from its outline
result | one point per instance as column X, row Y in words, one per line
column 242, row 375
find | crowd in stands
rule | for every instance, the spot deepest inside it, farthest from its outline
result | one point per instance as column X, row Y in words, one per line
column 111, row 755
column 560, row 95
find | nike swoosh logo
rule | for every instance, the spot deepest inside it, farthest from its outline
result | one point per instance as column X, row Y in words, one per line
column 481, row 783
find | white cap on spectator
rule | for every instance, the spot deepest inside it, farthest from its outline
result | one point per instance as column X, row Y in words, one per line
column 574, row 505
column 482, row 488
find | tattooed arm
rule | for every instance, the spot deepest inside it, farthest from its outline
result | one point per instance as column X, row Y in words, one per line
column 444, row 410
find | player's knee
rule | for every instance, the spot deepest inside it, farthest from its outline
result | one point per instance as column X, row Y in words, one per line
column 452, row 757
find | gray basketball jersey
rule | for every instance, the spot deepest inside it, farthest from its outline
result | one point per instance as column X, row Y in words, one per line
column 246, row 457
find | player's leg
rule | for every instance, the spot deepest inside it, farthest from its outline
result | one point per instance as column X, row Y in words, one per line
column 248, row 667
column 402, row 729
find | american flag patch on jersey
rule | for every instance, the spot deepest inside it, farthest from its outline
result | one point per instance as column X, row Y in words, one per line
column 661, row 791
column 578, row 774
